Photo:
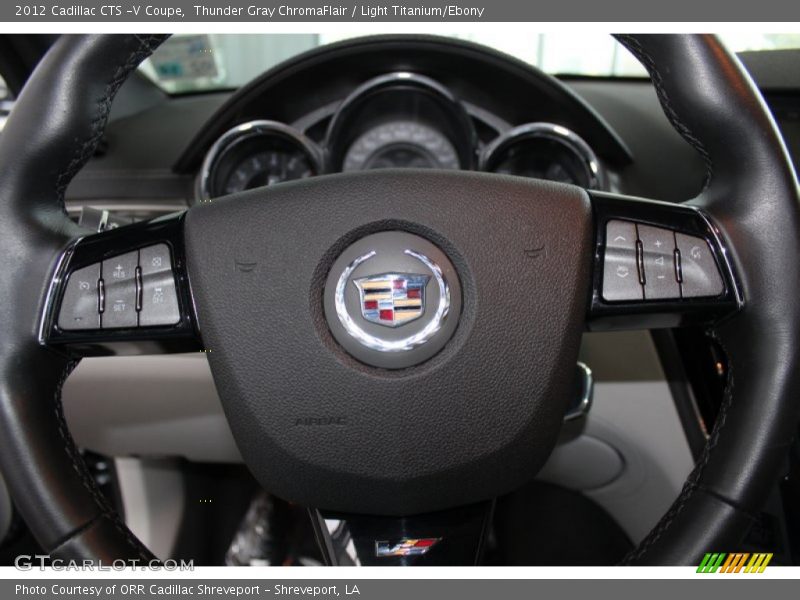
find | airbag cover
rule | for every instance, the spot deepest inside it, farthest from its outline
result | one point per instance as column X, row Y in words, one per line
column 318, row 427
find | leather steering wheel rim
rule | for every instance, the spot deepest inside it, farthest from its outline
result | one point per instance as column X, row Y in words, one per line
column 751, row 194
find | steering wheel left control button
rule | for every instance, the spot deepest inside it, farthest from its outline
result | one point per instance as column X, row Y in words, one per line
column 79, row 307
column 119, row 278
column 621, row 277
column 159, row 298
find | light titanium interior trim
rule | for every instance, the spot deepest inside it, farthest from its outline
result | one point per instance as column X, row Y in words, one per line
column 159, row 206
column 584, row 403
column 405, row 344
column 246, row 131
column 566, row 137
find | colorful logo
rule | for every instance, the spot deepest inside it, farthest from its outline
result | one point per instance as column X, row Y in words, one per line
column 392, row 299
column 405, row 547
column 737, row 562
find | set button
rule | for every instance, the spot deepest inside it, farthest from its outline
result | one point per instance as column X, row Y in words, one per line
column 119, row 281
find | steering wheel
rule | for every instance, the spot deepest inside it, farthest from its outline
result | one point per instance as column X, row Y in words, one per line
column 395, row 349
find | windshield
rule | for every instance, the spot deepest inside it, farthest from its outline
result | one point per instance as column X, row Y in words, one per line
column 204, row 62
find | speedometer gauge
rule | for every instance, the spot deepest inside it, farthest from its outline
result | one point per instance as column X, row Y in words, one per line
column 257, row 154
column 400, row 120
column 401, row 145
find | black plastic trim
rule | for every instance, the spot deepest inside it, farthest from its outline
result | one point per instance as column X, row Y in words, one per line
column 181, row 337
column 653, row 314
column 457, row 536
column 672, row 361
column 400, row 52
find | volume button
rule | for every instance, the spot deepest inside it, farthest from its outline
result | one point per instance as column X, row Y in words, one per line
column 640, row 262
column 138, row 276
column 101, row 296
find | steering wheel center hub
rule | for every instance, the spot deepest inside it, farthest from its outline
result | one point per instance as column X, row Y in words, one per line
column 392, row 299
column 373, row 354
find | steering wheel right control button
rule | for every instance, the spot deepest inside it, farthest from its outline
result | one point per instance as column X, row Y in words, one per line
column 622, row 278
column 700, row 276
column 644, row 262
column 658, row 246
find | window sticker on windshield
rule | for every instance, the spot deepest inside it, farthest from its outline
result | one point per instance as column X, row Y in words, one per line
column 187, row 57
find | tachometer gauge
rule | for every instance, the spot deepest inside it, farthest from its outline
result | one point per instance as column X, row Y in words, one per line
column 401, row 145
column 257, row 154
column 269, row 167
column 544, row 151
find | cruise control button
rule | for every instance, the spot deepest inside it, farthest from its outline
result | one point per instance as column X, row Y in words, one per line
column 699, row 272
column 658, row 245
column 120, row 287
column 620, row 272
column 159, row 295
column 79, row 307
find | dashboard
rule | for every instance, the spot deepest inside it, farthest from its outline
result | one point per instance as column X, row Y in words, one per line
column 395, row 120
column 399, row 102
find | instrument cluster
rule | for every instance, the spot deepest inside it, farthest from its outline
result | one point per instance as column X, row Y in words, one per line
column 398, row 120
